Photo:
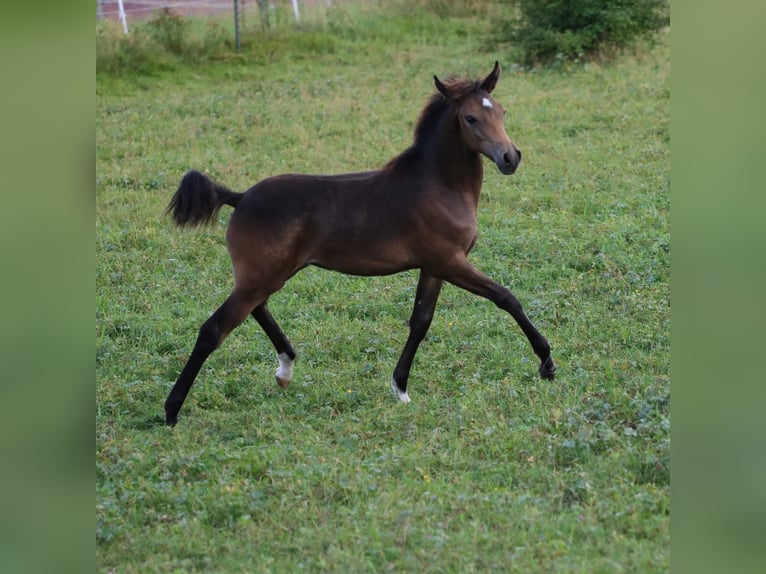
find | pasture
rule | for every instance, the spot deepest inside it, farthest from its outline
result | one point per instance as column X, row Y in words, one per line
column 489, row 468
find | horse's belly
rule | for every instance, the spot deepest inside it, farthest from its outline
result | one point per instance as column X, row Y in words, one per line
column 365, row 260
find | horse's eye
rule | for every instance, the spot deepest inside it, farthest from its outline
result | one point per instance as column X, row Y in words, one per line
column 470, row 119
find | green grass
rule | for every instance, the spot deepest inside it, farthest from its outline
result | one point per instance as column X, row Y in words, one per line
column 488, row 468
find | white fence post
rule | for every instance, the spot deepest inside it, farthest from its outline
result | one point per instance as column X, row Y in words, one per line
column 295, row 11
column 121, row 15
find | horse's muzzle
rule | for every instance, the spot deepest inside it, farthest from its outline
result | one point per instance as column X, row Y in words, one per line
column 508, row 160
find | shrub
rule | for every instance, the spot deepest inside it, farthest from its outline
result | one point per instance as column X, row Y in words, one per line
column 116, row 52
column 162, row 43
column 168, row 29
column 546, row 30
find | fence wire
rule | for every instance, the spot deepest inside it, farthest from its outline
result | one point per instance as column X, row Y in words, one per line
column 142, row 9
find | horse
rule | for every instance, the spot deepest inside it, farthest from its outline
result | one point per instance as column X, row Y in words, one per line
column 417, row 212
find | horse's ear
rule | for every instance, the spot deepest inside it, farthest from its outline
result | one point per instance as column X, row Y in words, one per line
column 439, row 86
column 490, row 81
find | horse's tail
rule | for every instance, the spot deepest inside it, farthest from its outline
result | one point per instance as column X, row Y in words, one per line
column 198, row 200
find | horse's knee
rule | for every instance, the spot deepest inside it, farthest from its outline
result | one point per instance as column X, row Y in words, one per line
column 421, row 321
column 422, row 315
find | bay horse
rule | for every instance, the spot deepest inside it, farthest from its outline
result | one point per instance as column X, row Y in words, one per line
column 417, row 212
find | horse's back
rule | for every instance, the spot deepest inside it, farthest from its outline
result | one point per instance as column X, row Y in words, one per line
column 358, row 223
column 340, row 202
column 282, row 207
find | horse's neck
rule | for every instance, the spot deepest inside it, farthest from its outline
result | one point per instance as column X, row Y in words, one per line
column 456, row 166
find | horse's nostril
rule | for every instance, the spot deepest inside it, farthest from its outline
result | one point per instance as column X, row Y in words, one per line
column 511, row 158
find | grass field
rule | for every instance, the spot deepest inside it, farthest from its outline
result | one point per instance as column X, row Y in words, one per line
column 489, row 468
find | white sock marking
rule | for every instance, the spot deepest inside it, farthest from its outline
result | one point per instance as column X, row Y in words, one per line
column 402, row 396
column 486, row 103
column 285, row 370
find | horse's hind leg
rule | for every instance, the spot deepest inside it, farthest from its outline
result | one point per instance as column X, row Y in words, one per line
column 285, row 351
column 422, row 313
column 212, row 333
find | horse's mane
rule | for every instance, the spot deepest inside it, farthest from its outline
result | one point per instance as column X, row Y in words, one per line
column 431, row 115
column 457, row 88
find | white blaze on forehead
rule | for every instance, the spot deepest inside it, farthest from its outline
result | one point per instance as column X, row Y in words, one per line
column 486, row 103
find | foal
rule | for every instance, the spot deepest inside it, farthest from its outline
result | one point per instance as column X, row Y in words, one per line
column 417, row 212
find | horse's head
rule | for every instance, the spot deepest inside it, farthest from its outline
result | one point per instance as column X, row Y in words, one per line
column 481, row 122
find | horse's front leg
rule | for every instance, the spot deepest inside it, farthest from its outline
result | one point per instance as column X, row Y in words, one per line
column 422, row 313
column 461, row 273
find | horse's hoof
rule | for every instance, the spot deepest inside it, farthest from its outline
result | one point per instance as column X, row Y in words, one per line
column 400, row 394
column 282, row 382
column 285, row 371
column 171, row 420
column 548, row 369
